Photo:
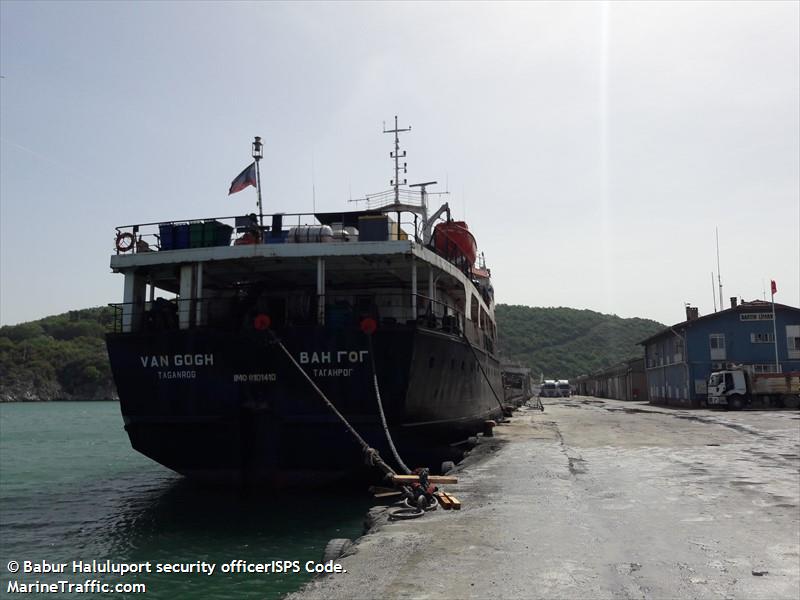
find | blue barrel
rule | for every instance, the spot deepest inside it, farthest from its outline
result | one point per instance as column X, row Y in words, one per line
column 277, row 237
column 181, row 236
column 166, row 236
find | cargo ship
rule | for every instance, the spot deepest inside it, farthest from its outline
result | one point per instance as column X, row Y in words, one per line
column 386, row 294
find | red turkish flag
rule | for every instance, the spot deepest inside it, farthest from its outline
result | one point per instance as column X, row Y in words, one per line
column 774, row 287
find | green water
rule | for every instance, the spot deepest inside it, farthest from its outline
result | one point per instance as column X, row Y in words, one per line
column 71, row 488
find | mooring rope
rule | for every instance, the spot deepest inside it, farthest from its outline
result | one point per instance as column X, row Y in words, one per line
column 371, row 453
column 485, row 376
column 380, row 410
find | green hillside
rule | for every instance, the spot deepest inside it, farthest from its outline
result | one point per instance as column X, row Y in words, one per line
column 566, row 342
column 64, row 357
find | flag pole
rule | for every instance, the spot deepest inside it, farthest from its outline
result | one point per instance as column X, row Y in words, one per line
column 775, row 327
column 258, row 153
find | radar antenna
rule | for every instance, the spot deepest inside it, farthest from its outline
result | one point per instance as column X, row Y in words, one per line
column 396, row 183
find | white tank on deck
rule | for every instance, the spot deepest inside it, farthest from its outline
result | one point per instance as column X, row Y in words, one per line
column 305, row 234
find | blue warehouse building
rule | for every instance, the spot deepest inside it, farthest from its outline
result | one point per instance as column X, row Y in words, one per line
column 679, row 359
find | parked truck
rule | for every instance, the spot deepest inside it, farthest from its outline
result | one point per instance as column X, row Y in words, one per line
column 738, row 387
column 564, row 389
column 549, row 389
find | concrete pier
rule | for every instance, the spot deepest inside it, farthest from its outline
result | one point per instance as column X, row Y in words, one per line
column 602, row 499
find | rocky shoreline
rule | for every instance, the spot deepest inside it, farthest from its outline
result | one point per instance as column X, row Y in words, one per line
column 55, row 393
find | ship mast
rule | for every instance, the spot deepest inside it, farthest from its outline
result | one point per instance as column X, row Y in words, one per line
column 395, row 183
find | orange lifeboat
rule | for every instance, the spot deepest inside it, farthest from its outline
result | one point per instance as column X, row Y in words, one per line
column 453, row 239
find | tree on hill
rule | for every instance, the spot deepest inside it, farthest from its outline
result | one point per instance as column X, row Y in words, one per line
column 566, row 342
column 58, row 357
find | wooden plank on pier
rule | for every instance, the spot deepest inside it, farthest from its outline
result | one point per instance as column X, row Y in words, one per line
column 454, row 502
column 444, row 501
column 386, row 494
column 431, row 478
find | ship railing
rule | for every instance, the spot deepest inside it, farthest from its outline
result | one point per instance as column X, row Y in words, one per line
column 238, row 230
column 342, row 309
column 245, row 229
column 386, row 198
column 392, row 309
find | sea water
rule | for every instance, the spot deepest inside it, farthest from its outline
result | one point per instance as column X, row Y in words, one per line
column 73, row 491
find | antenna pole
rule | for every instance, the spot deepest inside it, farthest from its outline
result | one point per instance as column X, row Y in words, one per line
column 719, row 275
column 713, row 292
column 397, row 156
column 258, row 153
column 313, row 185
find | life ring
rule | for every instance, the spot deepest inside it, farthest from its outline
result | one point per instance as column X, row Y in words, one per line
column 124, row 241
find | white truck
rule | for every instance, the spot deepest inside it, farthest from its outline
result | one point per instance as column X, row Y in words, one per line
column 564, row 389
column 738, row 387
column 549, row 389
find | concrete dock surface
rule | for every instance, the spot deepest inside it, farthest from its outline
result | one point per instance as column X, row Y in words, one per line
column 602, row 499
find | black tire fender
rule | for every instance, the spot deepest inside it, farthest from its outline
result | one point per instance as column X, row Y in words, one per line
column 336, row 548
column 735, row 402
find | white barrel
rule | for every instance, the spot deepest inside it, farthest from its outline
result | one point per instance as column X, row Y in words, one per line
column 305, row 234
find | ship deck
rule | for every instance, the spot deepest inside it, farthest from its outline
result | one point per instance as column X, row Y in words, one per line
column 388, row 260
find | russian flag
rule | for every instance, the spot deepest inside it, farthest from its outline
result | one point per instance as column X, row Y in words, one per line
column 243, row 179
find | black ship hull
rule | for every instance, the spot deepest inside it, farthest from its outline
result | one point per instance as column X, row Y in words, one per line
column 224, row 407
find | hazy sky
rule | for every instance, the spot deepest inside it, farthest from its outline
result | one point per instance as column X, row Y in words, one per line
column 593, row 147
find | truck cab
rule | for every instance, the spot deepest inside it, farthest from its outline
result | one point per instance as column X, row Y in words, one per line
column 727, row 388
column 740, row 386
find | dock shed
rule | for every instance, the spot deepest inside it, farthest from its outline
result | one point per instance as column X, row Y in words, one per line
column 517, row 383
column 624, row 381
column 680, row 358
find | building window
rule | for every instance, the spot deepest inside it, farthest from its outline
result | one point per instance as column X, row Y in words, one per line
column 793, row 340
column 716, row 342
column 762, row 338
column 764, row 368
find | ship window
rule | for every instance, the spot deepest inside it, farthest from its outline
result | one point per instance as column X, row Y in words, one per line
column 473, row 308
column 452, row 363
column 462, row 365
column 484, row 319
column 431, row 361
